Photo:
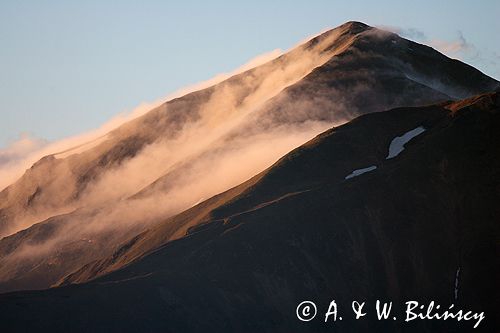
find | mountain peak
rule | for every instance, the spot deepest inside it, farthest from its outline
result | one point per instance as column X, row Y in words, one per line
column 351, row 28
column 355, row 26
column 348, row 71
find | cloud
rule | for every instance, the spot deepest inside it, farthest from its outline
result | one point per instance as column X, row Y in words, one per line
column 462, row 49
column 458, row 48
column 215, row 148
column 16, row 150
column 166, row 138
column 22, row 154
column 410, row 33
column 228, row 107
column 13, row 157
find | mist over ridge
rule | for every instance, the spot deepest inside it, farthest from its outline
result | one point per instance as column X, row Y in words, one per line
column 84, row 203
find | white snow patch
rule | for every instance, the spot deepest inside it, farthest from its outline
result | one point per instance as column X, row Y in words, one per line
column 398, row 143
column 358, row 172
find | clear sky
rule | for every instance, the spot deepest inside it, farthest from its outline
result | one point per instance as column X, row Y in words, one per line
column 68, row 66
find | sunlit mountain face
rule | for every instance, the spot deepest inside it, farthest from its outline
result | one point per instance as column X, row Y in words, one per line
column 204, row 159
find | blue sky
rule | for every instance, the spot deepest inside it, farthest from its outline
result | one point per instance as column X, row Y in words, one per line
column 68, row 66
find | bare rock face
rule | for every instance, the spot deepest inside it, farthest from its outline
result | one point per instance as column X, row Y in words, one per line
column 68, row 214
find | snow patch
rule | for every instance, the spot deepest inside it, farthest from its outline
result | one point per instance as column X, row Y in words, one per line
column 398, row 143
column 358, row 172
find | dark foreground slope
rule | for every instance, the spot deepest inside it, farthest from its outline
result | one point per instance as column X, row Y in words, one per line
column 422, row 226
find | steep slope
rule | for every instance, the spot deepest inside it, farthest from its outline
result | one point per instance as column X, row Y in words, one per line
column 421, row 226
column 196, row 146
column 214, row 105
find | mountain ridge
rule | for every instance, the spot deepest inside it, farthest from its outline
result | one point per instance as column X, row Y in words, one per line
column 351, row 70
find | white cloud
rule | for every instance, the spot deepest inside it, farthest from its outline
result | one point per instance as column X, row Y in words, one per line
column 20, row 155
column 16, row 150
column 459, row 48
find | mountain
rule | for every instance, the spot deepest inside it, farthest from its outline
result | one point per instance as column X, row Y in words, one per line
column 78, row 207
column 397, row 205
